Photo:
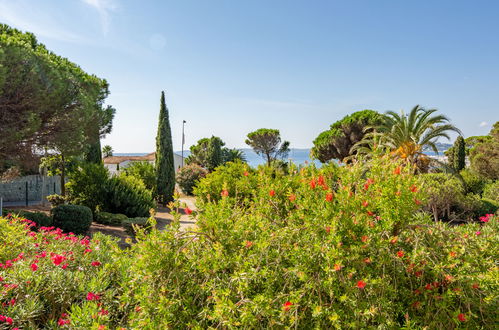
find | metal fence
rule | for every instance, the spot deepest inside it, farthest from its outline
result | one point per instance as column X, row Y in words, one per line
column 29, row 190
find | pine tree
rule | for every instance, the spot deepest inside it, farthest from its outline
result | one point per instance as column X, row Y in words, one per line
column 459, row 154
column 165, row 171
column 94, row 153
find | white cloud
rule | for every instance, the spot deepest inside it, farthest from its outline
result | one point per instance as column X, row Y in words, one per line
column 483, row 124
column 104, row 8
column 24, row 18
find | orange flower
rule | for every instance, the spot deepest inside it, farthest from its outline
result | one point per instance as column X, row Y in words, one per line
column 272, row 193
column 417, row 201
column 414, row 188
column 329, row 197
column 370, row 213
column 397, row 171
column 328, row 229
column 365, row 203
column 321, row 181
column 248, row 244
column 224, row 193
column 367, row 260
column 292, row 197
column 364, row 238
column 452, row 254
column 312, row 184
column 337, row 267
column 475, row 286
column 246, row 173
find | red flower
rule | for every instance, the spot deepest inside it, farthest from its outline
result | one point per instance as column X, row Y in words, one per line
column 417, row 201
column 64, row 266
column 224, row 193
column 364, row 238
column 62, row 322
column 461, row 317
column 367, row 260
column 272, row 193
column 361, row 284
column 321, row 181
column 34, row 267
column 248, row 244
column 58, row 259
column 292, row 197
column 337, row 267
column 329, row 197
column 475, row 286
column 397, row 170
column 246, row 173
column 101, row 327
column 287, row 305
column 95, row 263
column 103, row 312
column 428, row 286
column 398, row 193
column 365, row 203
column 188, row 211
column 312, row 184
column 369, row 213
column 92, row 296
column 414, row 188
column 400, row 254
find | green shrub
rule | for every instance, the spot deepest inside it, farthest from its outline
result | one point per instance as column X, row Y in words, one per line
column 40, row 218
column 110, row 219
column 491, row 191
column 127, row 195
column 188, row 176
column 445, row 193
column 474, row 183
column 56, row 200
column 140, row 222
column 72, row 218
column 488, row 206
column 85, row 186
column 144, row 171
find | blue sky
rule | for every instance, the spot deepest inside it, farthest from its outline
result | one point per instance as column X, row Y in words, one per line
column 230, row 67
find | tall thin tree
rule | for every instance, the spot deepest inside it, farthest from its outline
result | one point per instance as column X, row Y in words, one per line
column 459, row 154
column 165, row 170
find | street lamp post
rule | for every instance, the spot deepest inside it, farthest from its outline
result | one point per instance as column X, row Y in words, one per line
column 183, row 141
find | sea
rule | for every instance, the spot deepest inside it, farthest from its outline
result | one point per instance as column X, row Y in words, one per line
column 297, row 156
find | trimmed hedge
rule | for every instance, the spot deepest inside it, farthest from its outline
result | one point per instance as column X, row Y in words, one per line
column 40, row 218
column 72, row 218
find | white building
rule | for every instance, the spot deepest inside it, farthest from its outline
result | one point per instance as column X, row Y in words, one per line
column 116, row 163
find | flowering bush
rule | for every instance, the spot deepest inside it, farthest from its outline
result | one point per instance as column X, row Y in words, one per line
column 45, row 275
column 188, row 176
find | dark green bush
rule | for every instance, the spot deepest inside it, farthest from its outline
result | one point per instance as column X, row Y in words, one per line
column 127, row 195
column 488, row 206
column 72, row 218
column 110, row 219
column 40, row 218
column 140, row 222
column 188, row 176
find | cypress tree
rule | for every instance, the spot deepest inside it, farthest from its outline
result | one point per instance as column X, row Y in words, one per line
column 165, row 171
column 459, row 154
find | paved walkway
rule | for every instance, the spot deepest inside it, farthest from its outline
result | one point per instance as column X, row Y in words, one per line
column 164, row 218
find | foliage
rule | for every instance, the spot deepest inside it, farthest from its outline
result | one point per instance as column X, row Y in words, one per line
column 267, row 143
column 165, row 169
column 107, row 151
column 459, row 159
column 407, row 135
column 110, row 219
column 484, row 157
column 94, row 153
column 86, row 186
column 131, row 225
column 337, row 142
column 48, row 101
column 491, row 191
column 188, row 176
column 41, row 219
column 333, row 247
column 473, row 182
column 210, row 153
column 56, row 200
column 58, row 164
column 51, row 275
column 144, row 171
column 72, row 218
column 293, row 257
column 233, row 179
column 127, row 195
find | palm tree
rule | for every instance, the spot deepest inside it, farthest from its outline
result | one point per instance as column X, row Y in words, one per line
column 405, row 136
